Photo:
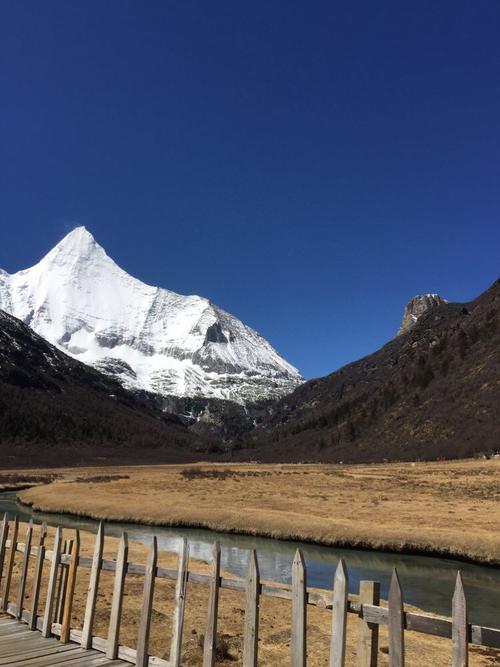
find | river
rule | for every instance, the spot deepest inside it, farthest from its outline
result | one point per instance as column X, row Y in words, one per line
column 427, row 581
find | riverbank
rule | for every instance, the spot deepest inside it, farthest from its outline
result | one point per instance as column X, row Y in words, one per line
column 446, row 508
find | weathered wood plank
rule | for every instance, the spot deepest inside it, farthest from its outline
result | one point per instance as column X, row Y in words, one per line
column 3, row 542
column 299, row 603
column 460, row 625
column 252, row 608
column 367, row 653
column 10, row 563
column 396, row 623
column 339, row 616
column 117, row 603
column 213, row 607
column 51, row 589
column 88, row 622
column 37, row 577
column 180, row 601
column 63, row 580
column 70, row 589
column 24, row 569
column 142, row 655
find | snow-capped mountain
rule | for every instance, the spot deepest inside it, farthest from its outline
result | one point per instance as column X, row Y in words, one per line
column 149, row 338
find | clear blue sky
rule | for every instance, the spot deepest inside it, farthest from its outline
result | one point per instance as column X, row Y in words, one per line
column 309, row 166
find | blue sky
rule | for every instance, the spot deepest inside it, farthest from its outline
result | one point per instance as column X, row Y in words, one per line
column 309, row 166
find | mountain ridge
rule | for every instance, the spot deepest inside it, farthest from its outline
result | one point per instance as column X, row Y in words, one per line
column 147, row 337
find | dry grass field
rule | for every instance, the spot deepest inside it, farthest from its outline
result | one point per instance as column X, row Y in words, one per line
column 448, row 508
column 274, row 643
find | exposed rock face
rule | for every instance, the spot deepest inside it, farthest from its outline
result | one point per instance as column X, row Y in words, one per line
column 149, row 338
column 416, row 308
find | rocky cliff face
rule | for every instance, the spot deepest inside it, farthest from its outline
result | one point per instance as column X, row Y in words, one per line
column 149, row 338
column 416, row 308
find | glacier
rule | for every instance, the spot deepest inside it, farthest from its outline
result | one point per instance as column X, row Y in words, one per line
column 149, row 338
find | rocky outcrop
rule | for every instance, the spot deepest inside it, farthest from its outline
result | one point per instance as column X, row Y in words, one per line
column 416, row 308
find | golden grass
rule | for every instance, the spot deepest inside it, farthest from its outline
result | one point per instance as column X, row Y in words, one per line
column 450, row 508
column 274, row 644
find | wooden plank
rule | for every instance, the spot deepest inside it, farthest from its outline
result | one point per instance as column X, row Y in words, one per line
column 369, row 593
column 88, row 622
column 51, row 589
column 3, row 541
column 396, row 623
column 210, row 642
column 63, row 580
column 37, row 577
column 142, row 656
column 460, row 625
column 299, row 636
column 70, row 589
column 339, row 616
column 51, row 650
column 180, row 600
column 252, row 608
column 24, row 569
column 10, row 563
column 117, row 603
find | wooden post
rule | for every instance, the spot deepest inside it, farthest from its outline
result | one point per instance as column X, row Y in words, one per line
column 339, row 616
column 116, row 605
column 369, row 593
column 460, row 625
column 37, row 577
column 213, row 607
column 251, row 635
column 10, row 563
column 142, row 656
column 51, row 589
column 180, row 600
column 70, row 588
column 24, row 569
column 63, row 580
column 95, row 572
column 299, row 605
column 3, row 540
column 396, row 623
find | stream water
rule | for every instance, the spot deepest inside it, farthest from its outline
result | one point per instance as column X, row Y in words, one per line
column 427, row 581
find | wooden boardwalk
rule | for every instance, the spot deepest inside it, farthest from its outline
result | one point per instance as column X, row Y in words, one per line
column 22, row 647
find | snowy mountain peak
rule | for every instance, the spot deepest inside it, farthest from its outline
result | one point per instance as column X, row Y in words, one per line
column 150, row 338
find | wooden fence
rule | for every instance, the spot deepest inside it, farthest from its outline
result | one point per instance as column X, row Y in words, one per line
column 64, row 562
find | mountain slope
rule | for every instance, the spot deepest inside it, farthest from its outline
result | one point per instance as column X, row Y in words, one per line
column 55, row 410
column 431, row 392
column 149, row 338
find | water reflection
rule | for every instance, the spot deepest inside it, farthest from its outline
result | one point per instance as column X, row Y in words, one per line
column 427, row 582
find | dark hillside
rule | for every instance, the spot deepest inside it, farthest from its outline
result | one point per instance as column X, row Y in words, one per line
column 56, row 411
column 430, row 393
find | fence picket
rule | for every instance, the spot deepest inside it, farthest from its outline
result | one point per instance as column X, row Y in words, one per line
column 251, row 633
column 299, row 604
column 63, row 581
column 460, row 626
column 37, row 577
column 339, row 616
column 180, row 600
column 51, row 589
column 142, row 657
column 3, row 540
column 24, row 569
column 10, row 563
column 117, row 603
column 88, row 623
column 69, row 587
column 396, row 623
column 369, row 594
column 210, row 642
